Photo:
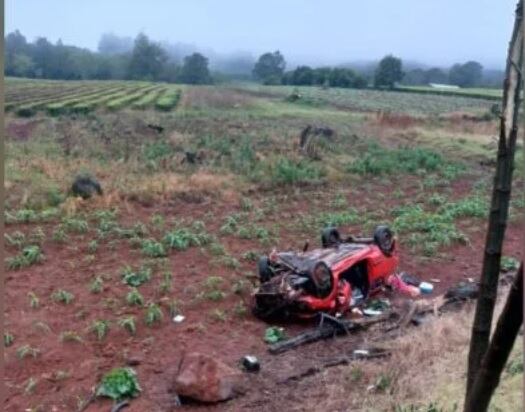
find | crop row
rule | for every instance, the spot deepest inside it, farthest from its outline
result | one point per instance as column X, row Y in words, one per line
column 121, row 102
column 168, row 101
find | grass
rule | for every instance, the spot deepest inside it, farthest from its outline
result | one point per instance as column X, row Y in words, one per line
column 134, row 298
column 377, row 160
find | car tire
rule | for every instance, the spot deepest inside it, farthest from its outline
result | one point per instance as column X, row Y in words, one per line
column 384, row 239
column 330, row 237
column 264, row 269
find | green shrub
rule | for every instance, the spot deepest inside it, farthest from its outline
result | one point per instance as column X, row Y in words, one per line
column 152, row 248
column 25, row 111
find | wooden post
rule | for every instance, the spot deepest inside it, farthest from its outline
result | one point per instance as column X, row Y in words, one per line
column 500, row 201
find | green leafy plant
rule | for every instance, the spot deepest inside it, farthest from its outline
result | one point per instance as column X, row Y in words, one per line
column 8, row 339
column 136, row 277
column 128, row 323
column 509, row 263
column 17, row 239
column 34, row 301
column 153, row 314
column 92, row 246
column 119, row 383
column 70, row 336
column 62, row 296
column 75, row 225
column 59, row 234
column 96, row 285
column 25, row 350
column 274, row 334
column 134, row 298
column 100, row 328
column 152, row 248
column 30, row 255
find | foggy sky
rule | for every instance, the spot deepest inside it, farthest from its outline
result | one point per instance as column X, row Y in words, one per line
column 437, row 32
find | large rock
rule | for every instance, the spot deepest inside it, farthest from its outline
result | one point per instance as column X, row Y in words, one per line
column 206, row 379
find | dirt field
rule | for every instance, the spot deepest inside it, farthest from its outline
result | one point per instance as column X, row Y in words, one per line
column 250, row 189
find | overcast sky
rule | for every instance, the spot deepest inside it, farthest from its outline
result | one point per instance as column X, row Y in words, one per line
column 438, row 32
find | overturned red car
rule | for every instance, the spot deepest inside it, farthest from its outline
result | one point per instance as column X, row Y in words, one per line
column 330, row 279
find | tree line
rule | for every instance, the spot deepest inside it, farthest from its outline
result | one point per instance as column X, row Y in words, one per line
column 270, row 69
column 121, row 58
column 145, row 60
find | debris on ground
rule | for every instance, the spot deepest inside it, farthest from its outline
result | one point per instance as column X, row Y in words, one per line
column 327, row 330
column 345, row 359
column 250, row 363
column 178, row 318
column 85, row 186
column 274, row 334
column 206, row 379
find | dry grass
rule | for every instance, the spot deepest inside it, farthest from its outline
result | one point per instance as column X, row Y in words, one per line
column 428, row 364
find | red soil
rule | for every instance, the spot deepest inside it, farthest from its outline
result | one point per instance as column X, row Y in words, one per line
column 158, row 349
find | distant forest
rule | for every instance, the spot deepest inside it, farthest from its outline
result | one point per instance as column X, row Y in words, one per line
column 125, row 58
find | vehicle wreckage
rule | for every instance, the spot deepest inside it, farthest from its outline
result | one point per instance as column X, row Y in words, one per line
column 333, row 279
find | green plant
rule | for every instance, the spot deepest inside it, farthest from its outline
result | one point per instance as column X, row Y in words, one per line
column 239, row 286
column 153, row 248
column 34, row 301
column 30, row 386
column 240, row 309
column 25, row 350
column 218, row 314
column 134, row 298
column 75, row 225
column 182, row 239
column 509, row 263
column 251, row 255
column 157, row 220
column 289, row 172
column 59, row 234
column 37, row 236
column 100, row 328
column 17, row 239
column 128, row 323
column 70, row 336
column 119, row 383
column 136, row 278
column 30, row 255
column 383, row 382
column 514, row 367
column 62, row 296
column 274, row 334
column 92, row 246
column 153, row 314
column 96, row 285
column 8, row 339
column 165, row 285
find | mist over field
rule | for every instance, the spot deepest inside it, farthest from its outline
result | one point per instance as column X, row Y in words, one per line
column 429, row 33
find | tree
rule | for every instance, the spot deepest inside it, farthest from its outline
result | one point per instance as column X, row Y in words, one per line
column 110, row 44
column 321, row 75
column 436, row 75
column 270, row 68
column 499, row 209
column 466, row 75
column 303, row 75
column 195, row 70
column 388, row 72
column 147, row 59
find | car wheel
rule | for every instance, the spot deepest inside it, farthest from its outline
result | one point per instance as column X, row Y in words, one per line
column 330, row 237
column 384, row 239
column 265, row 271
